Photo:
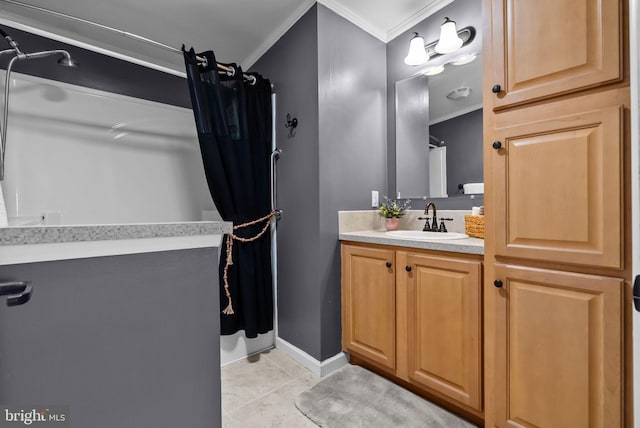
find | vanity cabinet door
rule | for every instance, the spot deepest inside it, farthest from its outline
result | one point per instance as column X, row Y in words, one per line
column 558, row 348
column 543, row 48
column 444, row 326
column 557, row 182
column 369, row 304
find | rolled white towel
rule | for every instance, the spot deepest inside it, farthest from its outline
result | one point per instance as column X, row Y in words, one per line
column 473, row 188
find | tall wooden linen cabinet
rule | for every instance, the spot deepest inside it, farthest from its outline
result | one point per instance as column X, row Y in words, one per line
column 557, row 250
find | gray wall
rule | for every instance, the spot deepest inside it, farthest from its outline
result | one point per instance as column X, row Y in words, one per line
column 465, row 13
column 330, row 75
column 463, row 137
column 352, row 103
column 292, row 66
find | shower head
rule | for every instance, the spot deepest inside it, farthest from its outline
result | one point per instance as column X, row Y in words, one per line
column 67, row 61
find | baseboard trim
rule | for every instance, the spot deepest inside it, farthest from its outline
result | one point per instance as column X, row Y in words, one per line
column 320, row 368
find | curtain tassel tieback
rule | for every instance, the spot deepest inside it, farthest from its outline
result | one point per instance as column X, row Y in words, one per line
column 230, row 238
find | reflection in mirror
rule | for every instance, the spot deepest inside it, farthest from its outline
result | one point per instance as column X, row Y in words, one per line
column 439, row 131
column 412, row 133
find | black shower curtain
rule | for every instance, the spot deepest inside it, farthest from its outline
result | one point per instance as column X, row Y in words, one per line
column 233, row 119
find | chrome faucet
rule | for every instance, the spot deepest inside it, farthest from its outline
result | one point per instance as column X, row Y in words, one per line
column 434, row 223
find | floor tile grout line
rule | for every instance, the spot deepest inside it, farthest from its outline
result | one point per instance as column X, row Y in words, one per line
column 284, row 369
column 262, row 396
column 268, row 361
column 266, row 353
column 271, row 360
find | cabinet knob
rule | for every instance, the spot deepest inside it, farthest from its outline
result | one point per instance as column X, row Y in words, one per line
column 388, row 264
column 407, row 268
column 496, row 89
column 497, row 283
column 496, row 145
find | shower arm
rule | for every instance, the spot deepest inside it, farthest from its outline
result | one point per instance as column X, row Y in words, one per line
column 3, row 131
column 44, row 54
column 18, row 56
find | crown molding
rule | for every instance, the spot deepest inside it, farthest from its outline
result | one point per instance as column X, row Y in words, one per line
column 383, row 34
column 417, row 17
column 276, row 34
column 337, row 7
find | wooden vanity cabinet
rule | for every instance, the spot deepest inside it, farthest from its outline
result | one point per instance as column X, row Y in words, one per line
column 418, row 319
column 547, row 48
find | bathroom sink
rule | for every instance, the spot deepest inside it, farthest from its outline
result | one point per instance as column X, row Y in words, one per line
column 418, row 235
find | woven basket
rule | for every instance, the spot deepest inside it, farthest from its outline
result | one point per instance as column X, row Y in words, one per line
column 474, row 225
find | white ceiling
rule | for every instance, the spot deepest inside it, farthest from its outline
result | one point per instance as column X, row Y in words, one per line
column 237, row 30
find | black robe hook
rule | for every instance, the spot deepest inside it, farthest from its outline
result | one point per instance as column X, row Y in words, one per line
column 291, row 124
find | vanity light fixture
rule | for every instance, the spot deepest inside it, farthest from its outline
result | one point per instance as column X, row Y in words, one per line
column 450, row 41
column 417, row 53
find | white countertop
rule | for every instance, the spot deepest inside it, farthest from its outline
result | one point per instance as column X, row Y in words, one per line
column 47, row 243
column 368, row 227
column 51, row 234
column 466, row 245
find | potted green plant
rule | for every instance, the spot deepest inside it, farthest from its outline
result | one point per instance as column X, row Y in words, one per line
column 392, row 210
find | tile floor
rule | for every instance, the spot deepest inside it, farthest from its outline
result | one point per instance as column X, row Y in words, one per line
column 258, row 392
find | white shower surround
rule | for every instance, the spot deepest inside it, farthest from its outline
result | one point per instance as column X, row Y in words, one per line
column 83, row 156
column 100, row 158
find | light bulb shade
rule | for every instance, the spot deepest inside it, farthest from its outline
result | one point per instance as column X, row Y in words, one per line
column 464, row 59
column 417, row 53
column 434, row 70
column 449, row 40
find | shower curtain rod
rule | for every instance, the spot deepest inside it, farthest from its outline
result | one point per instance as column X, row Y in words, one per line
column 229, row 70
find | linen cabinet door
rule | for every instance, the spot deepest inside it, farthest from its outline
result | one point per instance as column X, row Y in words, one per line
column 444, row 326
column 558, row 349
column 543, row 48
column 557, row 179
column 369, row 304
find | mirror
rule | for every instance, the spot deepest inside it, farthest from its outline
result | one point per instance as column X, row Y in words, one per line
column 439, row 132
